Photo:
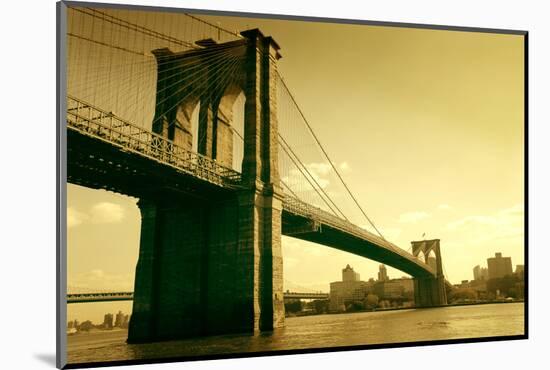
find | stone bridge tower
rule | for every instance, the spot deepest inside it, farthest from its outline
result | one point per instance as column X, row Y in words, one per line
column 210, row 262
column 429, row 291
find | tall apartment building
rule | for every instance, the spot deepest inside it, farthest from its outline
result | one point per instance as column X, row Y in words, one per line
column 349, row 275
column 499, row 266
column 348, row 290
column 382, row 273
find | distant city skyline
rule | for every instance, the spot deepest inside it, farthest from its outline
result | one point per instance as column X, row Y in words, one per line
column 94, row 309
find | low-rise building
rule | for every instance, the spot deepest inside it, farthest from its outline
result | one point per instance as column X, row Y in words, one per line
column 520, row 270
column 480, row 273
column 351, row 290
column 395, row 289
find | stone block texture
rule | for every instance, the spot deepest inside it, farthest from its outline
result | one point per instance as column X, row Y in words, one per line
column 214, row 265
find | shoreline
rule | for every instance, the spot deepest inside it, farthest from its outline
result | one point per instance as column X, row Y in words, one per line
column 409, row 308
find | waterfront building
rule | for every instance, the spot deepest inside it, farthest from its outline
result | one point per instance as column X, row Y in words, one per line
column 395, row 289
column 480, row 286
column 119, row 319
column 499, row 266
column 349, row 275
column 350, row 289
column 520, row 269
column 480, row 273
column 108, row 321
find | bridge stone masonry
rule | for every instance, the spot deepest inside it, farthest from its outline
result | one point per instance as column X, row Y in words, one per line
column 216, row 267
column 432, row 290
column 210, row 259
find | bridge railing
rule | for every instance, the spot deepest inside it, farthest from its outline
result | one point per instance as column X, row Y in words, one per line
column 95, row 122
column 99, row 297
column 290, row 295
column 300, row 208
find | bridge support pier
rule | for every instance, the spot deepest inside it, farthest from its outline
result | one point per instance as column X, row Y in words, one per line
column 208, row 268
column 214, row 266
column 429, row 292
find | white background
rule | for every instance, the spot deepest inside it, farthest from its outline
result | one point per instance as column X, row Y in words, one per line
column 27, row 181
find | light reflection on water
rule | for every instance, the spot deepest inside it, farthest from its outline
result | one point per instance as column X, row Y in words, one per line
column 317, row 332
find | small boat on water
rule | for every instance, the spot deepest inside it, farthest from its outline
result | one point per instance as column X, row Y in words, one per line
column 71, row 331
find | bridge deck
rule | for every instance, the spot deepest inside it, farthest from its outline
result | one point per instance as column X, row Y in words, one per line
column 94, row 122
column 344, row 235
column 91, row 122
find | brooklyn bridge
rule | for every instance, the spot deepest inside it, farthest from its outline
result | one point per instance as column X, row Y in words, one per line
column 203, row 129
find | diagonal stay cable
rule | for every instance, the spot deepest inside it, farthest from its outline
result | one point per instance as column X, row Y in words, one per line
column 232, row 65
column 133, row 27
column 310, row 175
column 299, row 169
column 328, row 158
column 289, row 189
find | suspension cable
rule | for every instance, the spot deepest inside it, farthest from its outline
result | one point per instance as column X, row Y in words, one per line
column 328, row 158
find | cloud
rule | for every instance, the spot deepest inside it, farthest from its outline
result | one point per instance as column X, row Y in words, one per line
column 318, row 170
column 444, row 207
column 106, row 213
column 101, row 213
column 504, row 224
column 344, row 167
column 413, row 217
column 517, row 210
column 74, row 217
column 471, row 221
column 296, row 181
column 318, row 175
column 505, row 217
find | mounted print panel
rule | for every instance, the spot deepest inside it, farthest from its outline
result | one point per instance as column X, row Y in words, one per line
column 241, row 185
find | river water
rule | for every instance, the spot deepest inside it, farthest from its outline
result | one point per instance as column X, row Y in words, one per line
column 318, row 331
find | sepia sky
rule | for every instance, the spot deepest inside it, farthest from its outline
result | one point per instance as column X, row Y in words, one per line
column 429, row 124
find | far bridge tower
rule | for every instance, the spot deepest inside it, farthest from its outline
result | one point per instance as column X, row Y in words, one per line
column 429, row 291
